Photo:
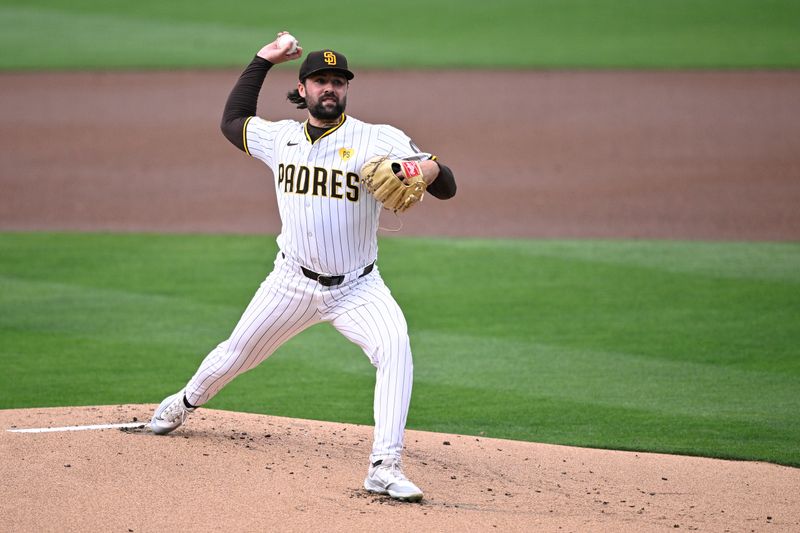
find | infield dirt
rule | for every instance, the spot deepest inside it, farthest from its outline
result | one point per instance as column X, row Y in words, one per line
column 678, row 155
column 226, row 471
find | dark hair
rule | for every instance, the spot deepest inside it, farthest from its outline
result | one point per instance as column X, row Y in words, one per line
column 295, row 98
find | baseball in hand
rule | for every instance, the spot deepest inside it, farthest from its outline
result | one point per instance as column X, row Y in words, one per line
column 287, row 39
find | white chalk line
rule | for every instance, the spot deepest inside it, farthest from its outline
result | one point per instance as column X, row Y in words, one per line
column 78, row 428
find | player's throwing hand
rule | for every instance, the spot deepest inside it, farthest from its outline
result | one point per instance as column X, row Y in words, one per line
column 280, row 50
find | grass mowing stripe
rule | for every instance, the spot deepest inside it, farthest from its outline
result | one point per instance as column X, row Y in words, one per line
column 46, row 307
column 678, row 347
column 767, row 261
column 609, row 378
column 532, row 294
column 513, row 33
column 210, row 269
column 102, row 40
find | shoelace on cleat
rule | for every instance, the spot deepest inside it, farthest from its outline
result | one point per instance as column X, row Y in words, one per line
column 395, row 469
column 172, row 413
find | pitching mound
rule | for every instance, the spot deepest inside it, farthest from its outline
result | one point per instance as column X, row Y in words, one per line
column 244, row 472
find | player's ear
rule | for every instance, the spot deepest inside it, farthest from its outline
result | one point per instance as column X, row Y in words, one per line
column 301, row 88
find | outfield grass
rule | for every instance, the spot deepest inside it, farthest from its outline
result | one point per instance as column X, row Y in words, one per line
column 61, row 34
column 663, row 346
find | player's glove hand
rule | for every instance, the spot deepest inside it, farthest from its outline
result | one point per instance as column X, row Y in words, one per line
column 382, row 177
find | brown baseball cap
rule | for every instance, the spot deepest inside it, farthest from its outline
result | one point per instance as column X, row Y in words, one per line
column 324, row 60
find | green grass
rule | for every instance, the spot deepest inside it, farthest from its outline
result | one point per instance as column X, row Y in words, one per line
column 60, row 34
column 663, row 346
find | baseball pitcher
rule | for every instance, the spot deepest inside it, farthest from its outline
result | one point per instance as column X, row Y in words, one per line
column 333, row 175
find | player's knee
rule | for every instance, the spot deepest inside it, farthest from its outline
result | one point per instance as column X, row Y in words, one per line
column 396, row 346
column 229, row 362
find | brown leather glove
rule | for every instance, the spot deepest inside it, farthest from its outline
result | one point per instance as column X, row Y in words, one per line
column 381, row 177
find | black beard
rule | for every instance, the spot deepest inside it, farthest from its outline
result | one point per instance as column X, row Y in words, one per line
column 320, row 112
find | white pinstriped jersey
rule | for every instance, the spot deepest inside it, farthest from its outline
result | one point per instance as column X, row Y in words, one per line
column 329, row 220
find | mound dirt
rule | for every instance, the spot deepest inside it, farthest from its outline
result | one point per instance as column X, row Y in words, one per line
column 226, row 471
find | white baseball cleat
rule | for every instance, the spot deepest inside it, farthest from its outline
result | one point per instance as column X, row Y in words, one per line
column 170, row 414
column 386, row 477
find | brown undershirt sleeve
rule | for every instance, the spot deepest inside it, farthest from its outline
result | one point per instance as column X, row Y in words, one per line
column 444, row 186
column 243, row 100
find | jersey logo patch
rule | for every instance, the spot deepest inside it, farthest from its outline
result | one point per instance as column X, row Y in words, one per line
column 329, row 58
column 411, row 169
column 345, row 153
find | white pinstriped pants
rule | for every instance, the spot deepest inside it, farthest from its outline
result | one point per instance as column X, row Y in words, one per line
column 363, row 310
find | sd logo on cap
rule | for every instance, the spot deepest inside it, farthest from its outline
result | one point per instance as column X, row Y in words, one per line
column 324, row 60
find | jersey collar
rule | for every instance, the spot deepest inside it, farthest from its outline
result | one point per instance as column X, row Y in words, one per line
column 336, row 127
